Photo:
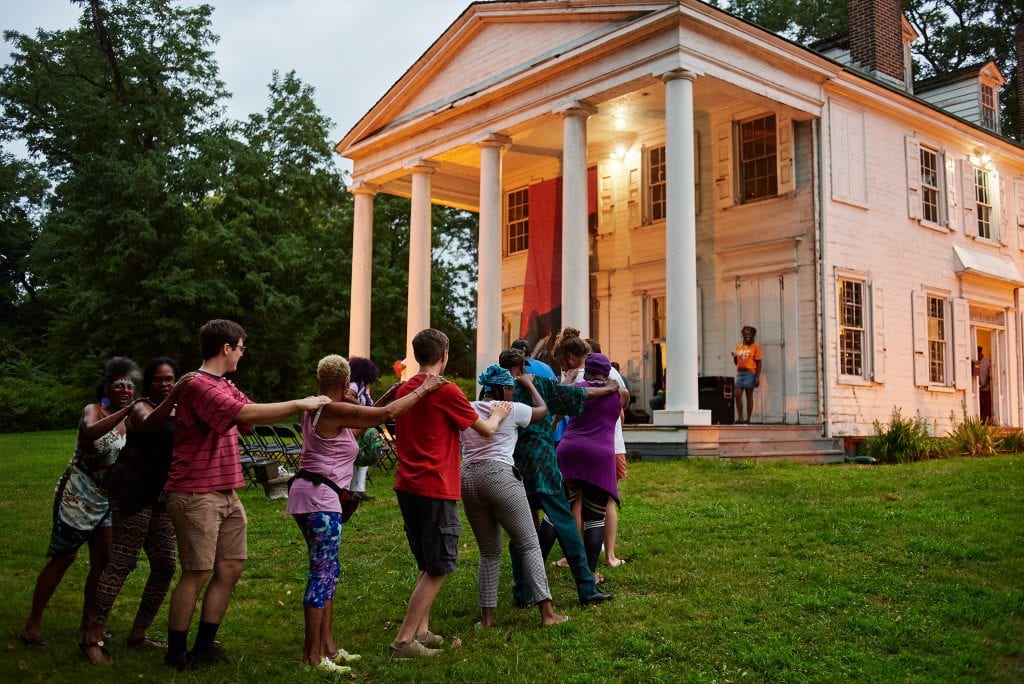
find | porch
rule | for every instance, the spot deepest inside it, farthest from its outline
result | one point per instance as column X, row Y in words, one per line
column 800, row 443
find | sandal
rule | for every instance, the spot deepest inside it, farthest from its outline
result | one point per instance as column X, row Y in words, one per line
column 33, row 642
column 146, row 643
column 85, row 646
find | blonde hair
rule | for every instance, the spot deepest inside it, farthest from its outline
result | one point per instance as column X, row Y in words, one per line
column 332, row 371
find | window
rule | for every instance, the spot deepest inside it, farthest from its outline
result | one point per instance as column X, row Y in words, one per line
column 989, row 115
column 518, row 221
column 851, row 327
column 654, row 179
column 983, row 203
column 758, row 159
column 938, row 340
column 931, row 185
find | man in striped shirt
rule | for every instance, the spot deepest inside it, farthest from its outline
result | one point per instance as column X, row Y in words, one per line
column 206, row 469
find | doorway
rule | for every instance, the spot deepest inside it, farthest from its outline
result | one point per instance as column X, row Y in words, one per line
column 760, row 303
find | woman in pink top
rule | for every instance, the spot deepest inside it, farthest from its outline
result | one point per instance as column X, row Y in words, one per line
column 329, row 451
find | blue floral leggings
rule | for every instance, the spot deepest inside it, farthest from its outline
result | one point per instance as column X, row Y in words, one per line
column 322, row 531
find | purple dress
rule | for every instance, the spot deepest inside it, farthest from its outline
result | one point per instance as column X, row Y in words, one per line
column 587, row 449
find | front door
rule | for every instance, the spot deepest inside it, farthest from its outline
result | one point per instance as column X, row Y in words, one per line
column 760, row 304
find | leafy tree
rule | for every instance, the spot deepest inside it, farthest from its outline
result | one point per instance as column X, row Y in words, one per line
column 954, row 34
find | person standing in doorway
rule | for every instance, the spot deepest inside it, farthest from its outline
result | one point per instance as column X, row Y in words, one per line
column 984, row 366
column 747, row 357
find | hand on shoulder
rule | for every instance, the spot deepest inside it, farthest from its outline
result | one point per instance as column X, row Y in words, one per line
column 432, row 382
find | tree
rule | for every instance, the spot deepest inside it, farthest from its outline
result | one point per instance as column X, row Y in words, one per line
column 954, row 34
column 124, row 112
column 22, row 189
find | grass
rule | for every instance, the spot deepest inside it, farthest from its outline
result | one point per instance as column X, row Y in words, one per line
column 737, row 572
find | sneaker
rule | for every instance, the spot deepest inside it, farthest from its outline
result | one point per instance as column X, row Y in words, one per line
column 328, row 665
column 182, row 662
column 343, row 656
column 211, row 655
column 429, row 639
column 405, row 650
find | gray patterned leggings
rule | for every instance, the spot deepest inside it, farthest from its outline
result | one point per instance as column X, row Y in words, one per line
column 494, row 498
column 148, row 529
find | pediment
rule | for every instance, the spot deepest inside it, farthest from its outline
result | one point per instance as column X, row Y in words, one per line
column 490, row 43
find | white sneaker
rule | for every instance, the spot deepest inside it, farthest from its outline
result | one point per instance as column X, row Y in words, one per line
column 343, row 656
column 328, row 665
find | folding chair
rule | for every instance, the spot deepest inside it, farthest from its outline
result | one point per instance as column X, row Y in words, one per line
column 273, row 447
column 252, row 459
column 388, row 454
column 290, row 442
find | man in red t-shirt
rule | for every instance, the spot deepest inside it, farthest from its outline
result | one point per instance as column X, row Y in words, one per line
column 428, row 485
column 206, row 469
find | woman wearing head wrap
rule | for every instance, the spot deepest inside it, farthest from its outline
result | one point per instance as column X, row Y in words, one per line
column 495, row 499
column 586, row 455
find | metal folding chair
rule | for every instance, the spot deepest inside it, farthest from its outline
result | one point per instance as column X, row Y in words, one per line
column 290, row 442
column 252, row 457
column 273, row 447
column 388, row 456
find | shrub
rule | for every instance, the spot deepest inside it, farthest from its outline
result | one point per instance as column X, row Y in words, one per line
column 33, row 399
column 972, row 437
column 902, row 440
column 1012, row 443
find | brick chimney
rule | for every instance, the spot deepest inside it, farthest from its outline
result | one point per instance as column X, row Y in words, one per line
column 876, row 38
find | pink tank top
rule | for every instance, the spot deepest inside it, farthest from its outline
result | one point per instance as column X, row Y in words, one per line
column 332, row 458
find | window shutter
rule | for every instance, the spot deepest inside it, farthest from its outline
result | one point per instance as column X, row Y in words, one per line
column 877, row 333
column 723, row 165
column 784, row 152
column 605, row 199
column 913, row 178
column 1018, row 200
column 633, row 190
column 919, row 310
column 969, row 204
column 1000, row 212
column 840, row 153
column 961, row 343
column 952, row 198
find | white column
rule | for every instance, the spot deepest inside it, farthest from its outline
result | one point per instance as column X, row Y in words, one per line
column 362, row 270
column 681, row 396
column 575, row 242
column 488, row 286
column 418, row 308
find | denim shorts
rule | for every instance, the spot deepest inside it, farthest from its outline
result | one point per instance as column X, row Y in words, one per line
column 744, row 379
column 432, row 527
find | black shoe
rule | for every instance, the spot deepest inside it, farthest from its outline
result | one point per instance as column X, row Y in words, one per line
column 211, row 655
column 182, row 662
column 595, row 598
column 362, row 496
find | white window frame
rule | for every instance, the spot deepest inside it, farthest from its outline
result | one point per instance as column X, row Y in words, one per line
column 939, row 340
column 871, row 329
column 935, row 187
column 648, row 169
column 988, row 102
column 983, row 204
column 516, row 220
column 943, row 187
column 769, row 161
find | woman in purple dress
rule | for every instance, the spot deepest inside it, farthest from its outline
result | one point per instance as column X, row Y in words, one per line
column 586, row 456
column 328, row 455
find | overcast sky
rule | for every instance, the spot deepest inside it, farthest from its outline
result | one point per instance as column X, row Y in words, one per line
column 351, row 51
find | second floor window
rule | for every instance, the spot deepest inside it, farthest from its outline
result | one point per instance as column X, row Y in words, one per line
column 518, row 221
column 758, row 158
column 983, row 202
column 656, row 187
column 931, row 185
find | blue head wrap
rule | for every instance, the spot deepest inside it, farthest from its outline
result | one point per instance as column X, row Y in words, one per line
column 496, row 376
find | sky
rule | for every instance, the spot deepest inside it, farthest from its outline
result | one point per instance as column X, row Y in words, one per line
column 350, row 51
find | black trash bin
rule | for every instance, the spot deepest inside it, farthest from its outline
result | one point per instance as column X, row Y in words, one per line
column 716, row 395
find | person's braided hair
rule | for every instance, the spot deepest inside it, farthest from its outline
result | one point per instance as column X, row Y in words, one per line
column 570, row 342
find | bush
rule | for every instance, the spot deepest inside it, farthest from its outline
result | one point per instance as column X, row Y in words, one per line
column 972, row 437
column 902, row 440
column 33, row 399
column 1012, row 443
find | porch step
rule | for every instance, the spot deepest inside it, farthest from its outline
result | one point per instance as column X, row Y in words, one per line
column 800, row 443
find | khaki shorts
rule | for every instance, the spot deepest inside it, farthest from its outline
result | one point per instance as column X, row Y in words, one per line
column 210, row 527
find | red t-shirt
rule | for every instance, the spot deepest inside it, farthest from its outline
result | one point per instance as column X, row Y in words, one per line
column 428, row 441
column 206, row 457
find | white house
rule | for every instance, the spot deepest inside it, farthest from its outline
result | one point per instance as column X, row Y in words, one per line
column 660, row 173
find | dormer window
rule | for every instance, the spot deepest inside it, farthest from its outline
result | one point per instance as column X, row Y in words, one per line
column 989, row 113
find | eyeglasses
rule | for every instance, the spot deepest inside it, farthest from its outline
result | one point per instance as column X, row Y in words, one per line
column 239, row 347
column 122, row 385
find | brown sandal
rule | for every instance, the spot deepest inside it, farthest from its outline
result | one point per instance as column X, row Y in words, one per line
column 147, row 643
column 85, row 646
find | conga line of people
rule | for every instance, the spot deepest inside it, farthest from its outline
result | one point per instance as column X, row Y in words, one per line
column 159, row 474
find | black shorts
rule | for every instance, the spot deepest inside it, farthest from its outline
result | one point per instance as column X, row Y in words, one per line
column 432, row 527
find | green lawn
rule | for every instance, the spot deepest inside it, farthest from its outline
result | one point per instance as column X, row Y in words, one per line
column 737, row 572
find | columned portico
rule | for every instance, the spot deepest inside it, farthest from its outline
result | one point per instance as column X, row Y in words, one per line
column 575, row 244
column 362, row 270
column 488, row 289
column 418, row 309
column 681, row 397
